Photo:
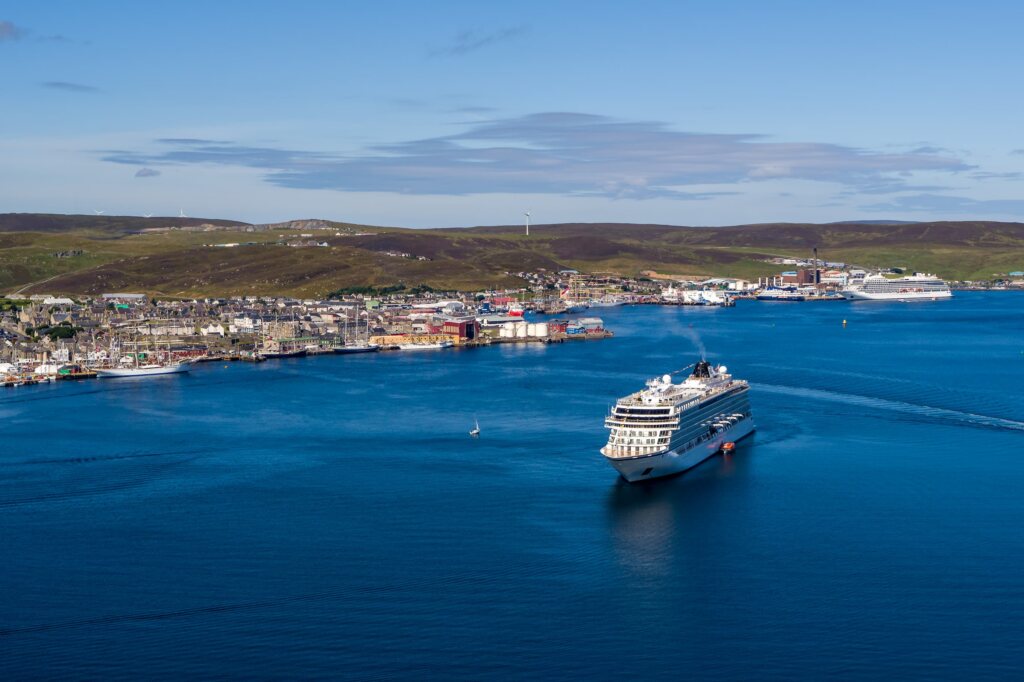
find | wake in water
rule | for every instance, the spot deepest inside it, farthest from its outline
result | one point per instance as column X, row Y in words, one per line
column 965, row 418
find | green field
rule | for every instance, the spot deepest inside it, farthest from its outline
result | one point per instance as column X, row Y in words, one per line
column 116, row 256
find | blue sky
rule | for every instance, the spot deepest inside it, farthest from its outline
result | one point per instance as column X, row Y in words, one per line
column 467, row 113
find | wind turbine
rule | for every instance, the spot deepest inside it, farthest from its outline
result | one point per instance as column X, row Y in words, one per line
column 527, row 214
column 181, row 213
column 147, row 215
column 98, row 212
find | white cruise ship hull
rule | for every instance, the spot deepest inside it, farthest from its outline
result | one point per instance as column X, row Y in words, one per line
column 647, row 467
column 858, row 295
column 126, row 372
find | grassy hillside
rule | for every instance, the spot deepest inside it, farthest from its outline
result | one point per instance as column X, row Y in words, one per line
column 93, row 254
column 60, row 223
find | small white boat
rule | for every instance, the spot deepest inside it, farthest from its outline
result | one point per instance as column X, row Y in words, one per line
column 432, row 345
column 476, row 428
column 142, row 370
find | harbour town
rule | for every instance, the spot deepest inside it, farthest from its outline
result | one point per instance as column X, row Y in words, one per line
column 506, row 341
column 50, row 338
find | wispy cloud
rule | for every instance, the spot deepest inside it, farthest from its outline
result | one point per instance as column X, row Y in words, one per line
column 190, row 141
column 67, row 86
column 990, row 175
column 562, row 153
column 468, row 41
column 948, row 205
column 147, row 173
column 474, row 110
column 9, row 31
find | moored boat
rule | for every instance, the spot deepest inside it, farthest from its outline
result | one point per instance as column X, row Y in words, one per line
column 426, row 345
column 294, row 353
column 782, row 295
column 917, row 287
column 142, row 370
column 358, row 347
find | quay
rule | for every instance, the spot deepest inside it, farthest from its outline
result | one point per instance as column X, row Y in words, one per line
column 60, row 339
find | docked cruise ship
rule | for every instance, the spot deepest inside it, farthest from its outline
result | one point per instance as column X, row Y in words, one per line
column 917, row 287
column 670, row 427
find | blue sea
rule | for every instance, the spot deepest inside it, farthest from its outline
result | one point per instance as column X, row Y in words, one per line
column 330, row 517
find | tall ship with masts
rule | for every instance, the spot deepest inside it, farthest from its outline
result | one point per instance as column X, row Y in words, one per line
column 361, row 342
column 669, row 427
column 139, row 361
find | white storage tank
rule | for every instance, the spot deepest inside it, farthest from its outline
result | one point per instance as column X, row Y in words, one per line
column 521, row 329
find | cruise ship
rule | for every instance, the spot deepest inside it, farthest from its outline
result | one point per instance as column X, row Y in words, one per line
column 917, row 287
column 667, row 427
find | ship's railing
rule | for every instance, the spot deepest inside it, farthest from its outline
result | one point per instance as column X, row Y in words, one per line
column 621, row 452
column 639, row 420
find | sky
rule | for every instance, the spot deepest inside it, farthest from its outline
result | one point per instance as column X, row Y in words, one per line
column 467, row 113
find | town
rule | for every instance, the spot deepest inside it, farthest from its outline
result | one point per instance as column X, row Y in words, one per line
column 47, row 338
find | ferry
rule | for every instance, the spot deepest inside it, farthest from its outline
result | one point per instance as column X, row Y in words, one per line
column 917, row 287
column 668, row 427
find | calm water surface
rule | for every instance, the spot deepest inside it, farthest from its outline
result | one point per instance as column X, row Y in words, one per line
column 330, row 516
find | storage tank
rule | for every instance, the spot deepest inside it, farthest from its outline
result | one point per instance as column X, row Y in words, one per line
column 521, row 329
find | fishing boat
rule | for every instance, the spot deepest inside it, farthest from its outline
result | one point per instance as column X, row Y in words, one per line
column 74, row 372
column 606, row 301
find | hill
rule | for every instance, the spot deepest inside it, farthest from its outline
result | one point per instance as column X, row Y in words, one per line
column 180, row 256
column 57, row 222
